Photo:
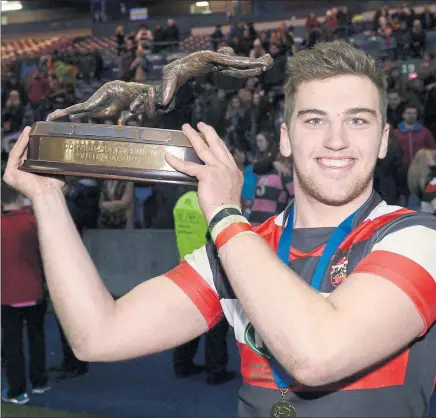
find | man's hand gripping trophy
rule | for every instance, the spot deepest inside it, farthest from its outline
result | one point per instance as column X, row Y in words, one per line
column 118, row 96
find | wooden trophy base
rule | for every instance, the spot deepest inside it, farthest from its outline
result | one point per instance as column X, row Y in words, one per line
column 108, row 152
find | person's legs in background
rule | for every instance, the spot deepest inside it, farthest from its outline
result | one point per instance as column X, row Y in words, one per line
column 71, row 367
column 217, row 354
column 183, row 359
column 35, row 316
column 12, row 324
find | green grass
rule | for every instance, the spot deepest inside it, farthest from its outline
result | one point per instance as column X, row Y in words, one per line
column 26, row 411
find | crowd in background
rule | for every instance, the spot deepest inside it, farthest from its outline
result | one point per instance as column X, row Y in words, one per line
column 247, row 115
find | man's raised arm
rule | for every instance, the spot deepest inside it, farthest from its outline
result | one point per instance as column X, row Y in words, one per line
column 155, row 316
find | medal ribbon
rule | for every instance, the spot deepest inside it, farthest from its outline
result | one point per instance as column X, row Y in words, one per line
column 281, row 376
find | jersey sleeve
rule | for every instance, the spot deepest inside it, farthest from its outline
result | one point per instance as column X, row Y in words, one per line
column 407, row 258
column 194, row 276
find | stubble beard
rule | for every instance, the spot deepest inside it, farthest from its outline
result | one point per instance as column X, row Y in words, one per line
column 338, row 197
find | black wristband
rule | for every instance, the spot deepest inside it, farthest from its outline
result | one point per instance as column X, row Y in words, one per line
column 223, row 213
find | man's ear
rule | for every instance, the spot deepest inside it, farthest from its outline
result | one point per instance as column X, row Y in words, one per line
column 384, row 142
column 285, row 141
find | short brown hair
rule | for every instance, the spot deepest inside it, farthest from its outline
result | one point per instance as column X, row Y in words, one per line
column 330, row 59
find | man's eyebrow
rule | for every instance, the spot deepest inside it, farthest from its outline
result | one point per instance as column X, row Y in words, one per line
column 352, row 111
column 356, row 110
column 315, row 111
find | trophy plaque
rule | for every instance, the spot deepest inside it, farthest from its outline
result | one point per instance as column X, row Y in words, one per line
column 107, row 151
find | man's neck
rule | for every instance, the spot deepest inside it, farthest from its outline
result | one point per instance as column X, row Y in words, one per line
column 409, row 125
column 310, row 213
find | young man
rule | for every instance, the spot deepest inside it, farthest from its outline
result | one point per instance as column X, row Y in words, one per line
column 331, row 322
column 23, row 299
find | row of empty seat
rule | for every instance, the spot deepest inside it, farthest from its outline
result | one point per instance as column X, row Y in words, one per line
column 33, row 49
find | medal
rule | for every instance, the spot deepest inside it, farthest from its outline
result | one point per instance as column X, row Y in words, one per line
column 283, row 408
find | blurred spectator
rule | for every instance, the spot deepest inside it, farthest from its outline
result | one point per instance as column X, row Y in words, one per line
column 13, row 112
column 37, row 90
column 198, row 111
column 422, row 179
column 213, row 105
column 393, row 76
column 252, row 31
column 86, row 66
column 403, row 38
column 412, row 135
column 236, row 117
column 266, row 149
column 275, row 76
column 264, row 40
column 286, row 40
column 220, row 106
column 429, row 58
column 127, row 58
column 237, row 46
column 23, row 299
column 312, row 23
column 407, row 15
column 246, row 97
column 246, row 42
column 116, row 205
column 388, row 43
column 12, row 83
column 429, row 116
column 158, row 37
column 428, row 202
column 56, row 98
column 99, row 64
column 390, row 176
column 82, row 198
column 250, row 180
column 395, row 109
column 427, row 18
column 139, row 66
column 268, row 113
column 418, row 40
column 172, row 34
column 119, row 33
column 274, row 188
column 414, row 93
column 345, row 23
column 383, row 12
column 330, row 24
column 144, row 37
column 217, row 36
column 426, row 74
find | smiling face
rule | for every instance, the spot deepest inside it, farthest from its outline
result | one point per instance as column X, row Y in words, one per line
column 335, row 137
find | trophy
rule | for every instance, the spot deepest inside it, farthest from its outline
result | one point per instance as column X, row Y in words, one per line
column 123, row 152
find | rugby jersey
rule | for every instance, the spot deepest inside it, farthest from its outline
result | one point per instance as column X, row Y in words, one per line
column 390, row 241
column 273, row 193
column 428, row 202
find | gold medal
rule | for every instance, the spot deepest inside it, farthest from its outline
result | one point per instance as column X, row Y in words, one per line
column 283, row 408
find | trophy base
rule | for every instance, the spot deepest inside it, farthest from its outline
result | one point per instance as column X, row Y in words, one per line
column 108, row 152
column 100, row 172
